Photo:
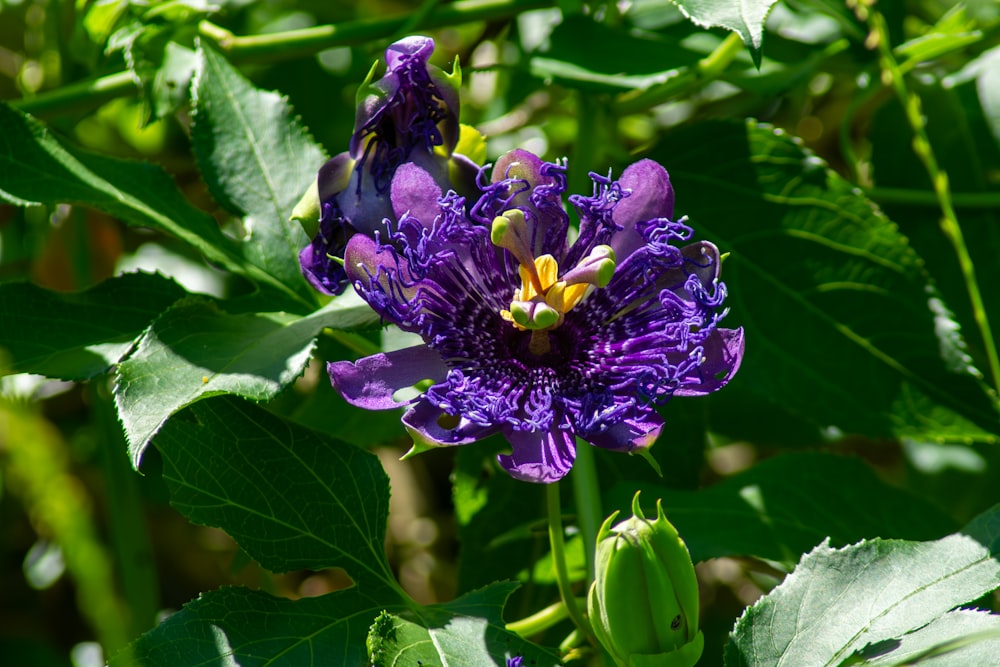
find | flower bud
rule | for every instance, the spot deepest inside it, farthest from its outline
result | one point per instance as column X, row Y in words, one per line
column 643, row 604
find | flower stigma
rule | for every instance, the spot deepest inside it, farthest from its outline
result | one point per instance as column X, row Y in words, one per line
column 543, row 300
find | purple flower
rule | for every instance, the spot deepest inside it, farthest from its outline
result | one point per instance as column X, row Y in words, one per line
column 530, row 336
column 515, row 661
column 410, row 115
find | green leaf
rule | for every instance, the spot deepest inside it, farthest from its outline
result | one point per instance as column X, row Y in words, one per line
column 968, row 638
column 236, row 626
column 37, row 168
column 195, row 350
column 958, row 127
column 257, row 160
column 467, row 631
column 745, row 17
column 78, row 336
column 626, row 60
column 784, row 505
column 869, row 597
column 843, row 325
column 292, row 498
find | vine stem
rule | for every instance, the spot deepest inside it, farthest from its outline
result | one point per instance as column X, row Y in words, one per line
column 704, row 71
column 275, row 47
column 557, row 541
column 893, row 75
column 540, row 620
column 587, row 495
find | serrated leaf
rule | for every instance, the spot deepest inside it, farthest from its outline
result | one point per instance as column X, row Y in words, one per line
column 196, row 350
column 842, row 322
column 784, row 505
column 467, row 631
column 744, row 17
column 292, row 498
column 257, row 160
column 961, row 638
column 38, row 168
column 78, row 336
column 840, row 601
column 236, row 626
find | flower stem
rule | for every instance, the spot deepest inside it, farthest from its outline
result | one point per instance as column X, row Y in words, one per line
column 704, row 71
column 540, row 620
column 278, row 46
column 558, row 544
column 587, row 495
column 893, row 75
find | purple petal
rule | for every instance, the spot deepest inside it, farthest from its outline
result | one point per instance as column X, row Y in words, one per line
column 371, row 382
column 723, row 356
column 416, row 45
column 636, row 432
column 650, row 196
column 415, row 192
column 538, row 194
column 542, row 457
column 431, row 425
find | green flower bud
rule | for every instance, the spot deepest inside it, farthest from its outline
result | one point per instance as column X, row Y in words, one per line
column 643, row 604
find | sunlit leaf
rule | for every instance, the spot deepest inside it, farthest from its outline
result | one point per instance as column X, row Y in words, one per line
column 38, row 168
column 868, row 598
column 196, row 350
column 78, row 336
column 257, row 160
column 467, row 631
column 745, row 17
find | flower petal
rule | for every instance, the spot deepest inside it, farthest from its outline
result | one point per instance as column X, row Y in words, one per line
column 430, row 425
column 415, row 192
column 370, row 382
column 631, row 433
column 723, row 355
column 650, row 196
column 542, row 457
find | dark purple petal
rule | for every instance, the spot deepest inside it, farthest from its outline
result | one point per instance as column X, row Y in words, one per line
column 370, row 382
column 542, row 457
column 522, row 180
column 649, row 196
column 638, row 431
column 415, row 193
column 723, row 351
column 431, row 425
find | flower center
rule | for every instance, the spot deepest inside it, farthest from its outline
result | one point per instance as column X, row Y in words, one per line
column 543, row 299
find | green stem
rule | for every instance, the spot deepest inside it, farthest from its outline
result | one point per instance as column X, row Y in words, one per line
column 939, row 180
column 704, row 71
column 558, row 543
column 540, row 621
column 275, row 47
column 587, row 495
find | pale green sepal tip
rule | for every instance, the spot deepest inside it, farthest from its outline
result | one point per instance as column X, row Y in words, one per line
column 685, row 656
column 419, row 447
column 309, row 210
column 636, row 507
column 648, row 455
